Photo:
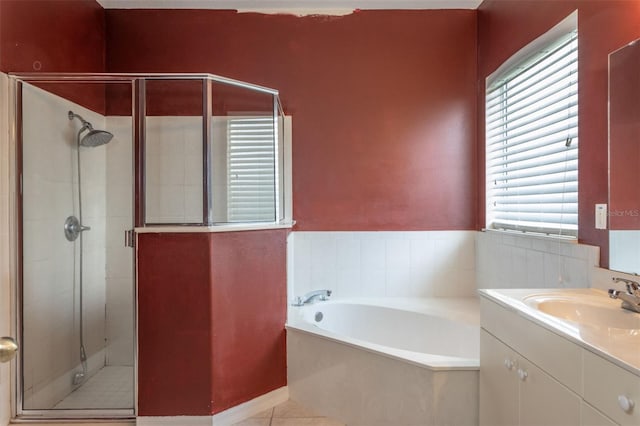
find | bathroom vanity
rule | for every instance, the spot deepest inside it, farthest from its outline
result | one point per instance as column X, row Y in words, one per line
column 558, row 357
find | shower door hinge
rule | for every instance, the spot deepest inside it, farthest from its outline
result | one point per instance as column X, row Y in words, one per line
column 129, row 238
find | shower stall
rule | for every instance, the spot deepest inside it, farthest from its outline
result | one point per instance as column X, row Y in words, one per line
column 98, row 156
column 76, row 298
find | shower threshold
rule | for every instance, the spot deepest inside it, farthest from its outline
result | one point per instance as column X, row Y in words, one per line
column 105, row 396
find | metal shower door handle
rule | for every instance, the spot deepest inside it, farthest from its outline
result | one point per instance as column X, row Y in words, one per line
column 8, row 348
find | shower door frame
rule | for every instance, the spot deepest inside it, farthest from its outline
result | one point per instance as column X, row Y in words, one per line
column 18, row 410
column 138, row 109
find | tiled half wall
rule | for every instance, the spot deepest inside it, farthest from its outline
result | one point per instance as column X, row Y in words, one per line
column 383, row 264
column 510, row 260
column 433, row 263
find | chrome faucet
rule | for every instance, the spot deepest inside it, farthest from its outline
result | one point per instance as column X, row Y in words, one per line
column 311, row 296
column 630, row 299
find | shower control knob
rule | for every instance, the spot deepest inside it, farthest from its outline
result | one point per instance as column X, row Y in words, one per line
column 8, row 349
column 73, row 228
column 508, row 364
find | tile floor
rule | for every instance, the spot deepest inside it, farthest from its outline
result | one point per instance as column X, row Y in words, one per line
column 288, row 414
column 111, row 387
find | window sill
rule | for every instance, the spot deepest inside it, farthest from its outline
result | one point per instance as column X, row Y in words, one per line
column 547, row 237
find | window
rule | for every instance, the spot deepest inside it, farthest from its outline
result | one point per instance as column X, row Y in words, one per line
column 251, row 169
column 532, row 142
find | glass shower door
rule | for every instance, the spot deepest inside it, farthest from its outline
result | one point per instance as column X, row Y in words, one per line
column 77, row 287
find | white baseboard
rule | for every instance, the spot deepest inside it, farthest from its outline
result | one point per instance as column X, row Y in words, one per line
column 251, row 408
column 224, row 418
column 174, row 421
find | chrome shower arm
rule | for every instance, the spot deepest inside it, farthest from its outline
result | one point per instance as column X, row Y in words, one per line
column 85, row 123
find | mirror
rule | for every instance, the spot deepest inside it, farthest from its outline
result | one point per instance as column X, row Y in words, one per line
column 624, row 159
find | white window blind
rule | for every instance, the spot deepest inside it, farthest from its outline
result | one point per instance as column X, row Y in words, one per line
column 251, row 189
column 532, row 143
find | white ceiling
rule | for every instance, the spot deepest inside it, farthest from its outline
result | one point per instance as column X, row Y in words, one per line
column 293, row 5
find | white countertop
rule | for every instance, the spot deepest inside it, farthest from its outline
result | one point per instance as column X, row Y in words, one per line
column 609, row 343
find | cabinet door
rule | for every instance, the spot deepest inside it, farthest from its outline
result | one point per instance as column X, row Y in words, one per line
column 543, row 400
column 498, row 383
column 589, row 416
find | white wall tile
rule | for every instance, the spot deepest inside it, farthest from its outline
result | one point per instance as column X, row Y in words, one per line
column 348, row 252
column 523, row 261
column 386, row 263
column 373, row 253
column 174, row 169
column 50, row 261
column 398, row 253
column 535, row 269
column 373, row 282
column 119, row 259
column 398, row 282
column 348, row 282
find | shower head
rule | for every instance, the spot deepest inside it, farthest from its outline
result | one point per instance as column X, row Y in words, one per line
column 94, row 137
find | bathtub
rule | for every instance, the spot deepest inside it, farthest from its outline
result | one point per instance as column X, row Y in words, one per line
column 387, row 362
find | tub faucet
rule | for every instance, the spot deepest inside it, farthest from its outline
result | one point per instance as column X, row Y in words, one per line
column 311, row 296
column 630, row 298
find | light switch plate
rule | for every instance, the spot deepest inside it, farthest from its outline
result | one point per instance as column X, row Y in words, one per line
column 601, row 216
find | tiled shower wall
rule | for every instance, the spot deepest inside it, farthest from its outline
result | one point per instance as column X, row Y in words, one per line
column 119, row 311
column 50, row 288
column 173, row 169
column 383, row 264
column 50, row 271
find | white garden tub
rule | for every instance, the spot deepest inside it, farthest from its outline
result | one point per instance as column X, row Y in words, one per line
column 387, row 361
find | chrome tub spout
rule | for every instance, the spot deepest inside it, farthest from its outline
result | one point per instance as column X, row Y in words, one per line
column 311, row 297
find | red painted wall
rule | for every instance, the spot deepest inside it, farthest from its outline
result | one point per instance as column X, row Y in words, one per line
column 383, row 103
column 61, row 35
column 55, row 36
column 174, row 324
column 211, row 317
column 249, row 306
column 505, row 26
column 624, row 134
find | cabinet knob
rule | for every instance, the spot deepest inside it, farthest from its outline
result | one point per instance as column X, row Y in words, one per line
column 625, row 403
column 508, row 364
column 522, row 374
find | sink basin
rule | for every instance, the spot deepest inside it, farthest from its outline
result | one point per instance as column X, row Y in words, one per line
column 603, row 315
column 597, row 318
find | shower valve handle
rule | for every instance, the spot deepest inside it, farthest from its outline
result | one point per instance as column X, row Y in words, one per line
column 73, row 228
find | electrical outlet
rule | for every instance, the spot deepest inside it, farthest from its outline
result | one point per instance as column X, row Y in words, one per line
column 601, row 216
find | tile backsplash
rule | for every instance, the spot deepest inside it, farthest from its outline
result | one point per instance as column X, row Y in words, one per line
column 383, row 264
column 510, row 260
column 437, row 263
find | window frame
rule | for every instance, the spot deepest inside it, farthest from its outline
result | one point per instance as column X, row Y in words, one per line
column 508, row 70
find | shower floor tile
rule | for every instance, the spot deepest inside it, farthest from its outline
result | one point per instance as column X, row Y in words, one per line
column 111, row 387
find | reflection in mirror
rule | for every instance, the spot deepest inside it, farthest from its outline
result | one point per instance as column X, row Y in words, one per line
column 624, row 158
